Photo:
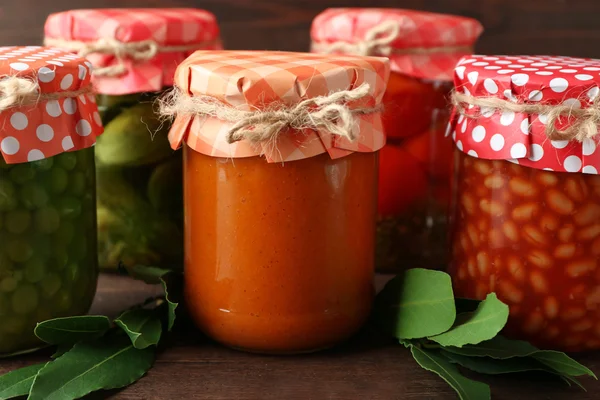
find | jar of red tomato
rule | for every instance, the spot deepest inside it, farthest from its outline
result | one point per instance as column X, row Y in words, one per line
column 526, row 215
column 280, row 187
column 414, row 173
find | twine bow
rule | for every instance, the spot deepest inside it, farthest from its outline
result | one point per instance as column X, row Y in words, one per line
column 583, row 122
column 329, row 113
column 378, row 42
column 139, row 51
column 17, row 91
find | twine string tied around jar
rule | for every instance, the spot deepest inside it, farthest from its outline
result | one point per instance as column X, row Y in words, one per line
column 330, row 113
column 378, row 41
column 20, row 91
column 583, row 122
column 143, row 50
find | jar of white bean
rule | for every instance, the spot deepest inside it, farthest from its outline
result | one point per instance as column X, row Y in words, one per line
column 526, row 195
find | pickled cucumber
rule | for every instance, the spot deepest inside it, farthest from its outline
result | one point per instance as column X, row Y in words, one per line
column 130, row 230
column 133, row 138
column 140, row 190
column 47, row 252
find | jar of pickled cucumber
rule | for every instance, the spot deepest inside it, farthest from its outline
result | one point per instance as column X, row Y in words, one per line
column 526, row 217
column 48, row 258
column 415, row 165
column 134, row 53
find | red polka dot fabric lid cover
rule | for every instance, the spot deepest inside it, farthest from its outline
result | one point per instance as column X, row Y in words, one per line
column 518, row 137
column 164, row 26
column 418, row 30
column 50, row 127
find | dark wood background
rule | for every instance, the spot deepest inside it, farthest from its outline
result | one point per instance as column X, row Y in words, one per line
column 561, row 27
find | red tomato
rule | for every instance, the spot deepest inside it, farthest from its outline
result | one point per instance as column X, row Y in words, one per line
column 433, row 150
column 402, row 180
column 409, row 105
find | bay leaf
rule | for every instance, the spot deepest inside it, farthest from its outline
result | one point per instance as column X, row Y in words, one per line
column 109, row 362
column 562, row 363
column 148, row 274
column 490, row 366
column 416, row 304
column 171, row 306
column 467, row 389
column 18, row 382
column 142, row 326
column 499, row 348
column 483, row 324
column 70, row 330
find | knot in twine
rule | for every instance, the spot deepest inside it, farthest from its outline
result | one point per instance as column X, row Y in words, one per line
column 583, row 122
column 378, row 42
column 16, row 91
column 329, row 113
column 143, row 50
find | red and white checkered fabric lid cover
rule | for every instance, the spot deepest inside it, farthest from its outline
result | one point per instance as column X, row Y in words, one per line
column 251, row 80
column 165, row 26
column 520, row 137
column 50, row 127
column 418, row 29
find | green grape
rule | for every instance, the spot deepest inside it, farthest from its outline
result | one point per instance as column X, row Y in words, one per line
column 67, row 161
column 47, row 220
column 24, row 299
column 18, row 221
column 8, row 198
column 21, row 173
column 33, row 196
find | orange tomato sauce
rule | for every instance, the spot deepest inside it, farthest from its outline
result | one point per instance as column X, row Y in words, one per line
column 279, row 257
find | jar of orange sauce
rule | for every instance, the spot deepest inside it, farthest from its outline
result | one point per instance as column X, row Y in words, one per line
column 280, row 187
column 415, row 165
column 526, row 218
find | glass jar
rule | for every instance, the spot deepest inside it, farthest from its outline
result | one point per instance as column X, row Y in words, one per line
column 285, row 263
column 48, row 262
column 48, row 257
column 279, row 228
column 526, row 207
column 533, row 237
column 414, row 175
column 414, row 171
column 140, row 188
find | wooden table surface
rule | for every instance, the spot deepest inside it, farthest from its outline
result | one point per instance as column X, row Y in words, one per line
column 367, row 367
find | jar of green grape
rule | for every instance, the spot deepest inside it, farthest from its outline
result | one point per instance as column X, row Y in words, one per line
column 140, row 189
column 48, row 258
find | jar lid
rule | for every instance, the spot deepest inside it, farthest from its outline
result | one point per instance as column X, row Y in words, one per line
column 334, row 101
column 46, row 104
column 133, row 50
column 537, row 111
column 420, row 44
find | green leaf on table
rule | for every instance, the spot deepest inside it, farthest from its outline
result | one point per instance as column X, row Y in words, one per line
column 499, row 348
column 472, row 328
column 18, row 382
column 109, row 362
column 562, row 363
column 171, row 306
column 71, row 330
column 142, row 326
column 490, row 366
column 416, row 304
column 150, row 275
column 569, row 380
column 61, row 349
column 467, row 389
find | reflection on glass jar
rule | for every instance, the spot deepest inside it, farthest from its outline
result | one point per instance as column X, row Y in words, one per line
column 48, row 262
column 533, row 237
column 414, row 175
column 140, row 194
